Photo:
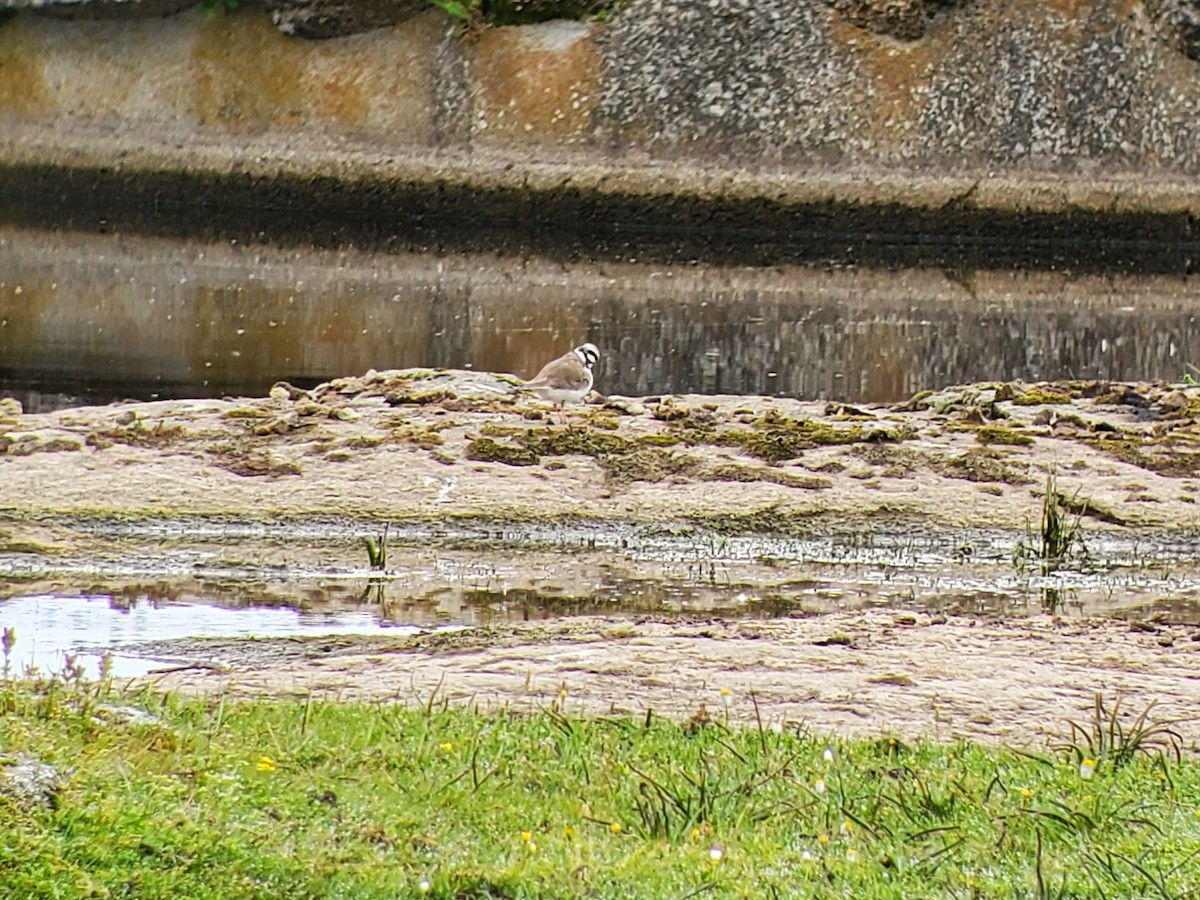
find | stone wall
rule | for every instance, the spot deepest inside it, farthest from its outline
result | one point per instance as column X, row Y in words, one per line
column 1056, row 105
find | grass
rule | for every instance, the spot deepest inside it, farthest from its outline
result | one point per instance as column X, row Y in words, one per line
column 1059, row 539
column 320, row 799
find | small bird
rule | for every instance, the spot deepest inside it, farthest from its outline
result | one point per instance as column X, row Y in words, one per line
column 567, row 378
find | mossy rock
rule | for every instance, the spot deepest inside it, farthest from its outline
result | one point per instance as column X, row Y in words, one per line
column 647, row 464
column 776, row 438
column 622, row 459
column 748, row 474
column 897, row 462
column 979, row 465
column 1041, row 397
column 485, row 449
column 497, row 429
column 1153, row 457
column 418, row 398
column 658, row 440
column 998, row 434
column 575, row 441
column 426, row 438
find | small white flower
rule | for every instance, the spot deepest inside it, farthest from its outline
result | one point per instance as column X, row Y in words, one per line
column 806, row 856
column 828, row 754
column 1087, row 769
column 851, row 855
column 819, row 786
column 715, row 852
column 423, row 886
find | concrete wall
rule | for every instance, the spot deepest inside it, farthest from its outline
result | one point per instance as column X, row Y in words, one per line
column 1028, row 104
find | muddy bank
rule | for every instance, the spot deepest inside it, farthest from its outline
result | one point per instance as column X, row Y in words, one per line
column 860, row 673
column 445, row 446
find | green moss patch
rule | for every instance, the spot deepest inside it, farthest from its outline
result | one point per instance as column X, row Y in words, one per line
column 979, row 465
column 777, row 438
column 485, row 449
column 405, row 397
column 1155, row 456
column 998, row 434
column 1041, row 397
column 748, row 474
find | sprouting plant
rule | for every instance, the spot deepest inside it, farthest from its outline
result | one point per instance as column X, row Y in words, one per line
column 377, row 552
column 1059, row 535
column 1106, row 739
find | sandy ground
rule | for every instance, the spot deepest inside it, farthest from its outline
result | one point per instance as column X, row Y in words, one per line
column 467, row 447
column 420, row 445
column 869, row 673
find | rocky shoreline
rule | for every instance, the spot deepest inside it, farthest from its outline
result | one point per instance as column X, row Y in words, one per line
column 444, row 445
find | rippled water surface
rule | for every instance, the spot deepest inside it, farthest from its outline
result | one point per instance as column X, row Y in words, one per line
column 98, row 317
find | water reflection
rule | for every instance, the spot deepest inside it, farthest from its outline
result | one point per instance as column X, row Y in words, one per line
column 100, row 317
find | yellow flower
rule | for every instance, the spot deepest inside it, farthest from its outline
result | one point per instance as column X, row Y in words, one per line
column 447, row 747
column 725, row 692
column 265, row 764
column 696, row 831
column 1087, row 769
column 822, row 839
column 614, row 827
column 569, row 832
column 847, row 828
column 527, row 836
column 851, row 855
column 1026, row 793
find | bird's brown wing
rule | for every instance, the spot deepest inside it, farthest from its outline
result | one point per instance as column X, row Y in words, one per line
column 566, row 373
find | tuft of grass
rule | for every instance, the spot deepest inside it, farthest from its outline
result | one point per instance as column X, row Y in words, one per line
column 224, row 798
column 1108, row 740
column 1059, row 536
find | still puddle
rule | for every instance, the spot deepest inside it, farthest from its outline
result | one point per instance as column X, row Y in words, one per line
column 263, row 581
column 54, row 629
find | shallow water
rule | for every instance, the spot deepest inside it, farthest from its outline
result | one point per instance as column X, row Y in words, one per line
column 51, row 629
column 97, row 317
column 276, row 581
